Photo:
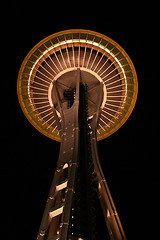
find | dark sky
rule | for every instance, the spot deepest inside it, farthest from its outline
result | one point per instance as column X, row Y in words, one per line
column 129, row 157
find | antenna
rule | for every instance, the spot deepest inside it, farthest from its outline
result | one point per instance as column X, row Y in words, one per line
column 77, row 87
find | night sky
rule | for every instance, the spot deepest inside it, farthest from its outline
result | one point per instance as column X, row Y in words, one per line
column 129, row 157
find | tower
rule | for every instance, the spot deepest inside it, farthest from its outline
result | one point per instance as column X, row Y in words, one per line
column 77, row 87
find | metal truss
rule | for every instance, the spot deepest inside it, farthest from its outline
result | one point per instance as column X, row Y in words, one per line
column 58, row 215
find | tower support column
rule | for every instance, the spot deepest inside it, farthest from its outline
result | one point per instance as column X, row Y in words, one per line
column 57, row 212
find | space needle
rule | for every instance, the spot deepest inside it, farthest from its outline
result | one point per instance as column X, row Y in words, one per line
column 77, row 87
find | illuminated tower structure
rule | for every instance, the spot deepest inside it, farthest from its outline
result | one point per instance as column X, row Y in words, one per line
column 77, row 87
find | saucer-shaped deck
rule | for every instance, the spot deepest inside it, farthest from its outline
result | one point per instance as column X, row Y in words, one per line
column 99, row 58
